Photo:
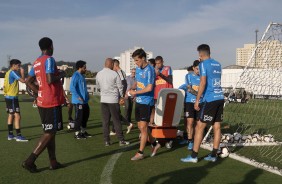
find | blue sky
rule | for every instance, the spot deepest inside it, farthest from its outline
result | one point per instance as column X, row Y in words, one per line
column 93, row 30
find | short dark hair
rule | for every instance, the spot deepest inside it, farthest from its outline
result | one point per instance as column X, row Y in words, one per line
column 79, row 64
column 116, row 61
column 140, row 53
column 45, row 43
column 190, row 68
column 14, row 62
column 196, row 63
column 152, row 61
column 204, row 48
column 159, row 58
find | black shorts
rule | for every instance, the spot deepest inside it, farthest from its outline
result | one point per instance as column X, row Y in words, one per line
column 81, row 115
column 212, row 112
column 142, row 112
column 190, row 112
column 51, row 118
column 12, row 106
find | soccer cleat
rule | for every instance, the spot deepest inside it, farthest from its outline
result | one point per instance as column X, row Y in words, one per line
column 129, row 128
column 30, row 167
column 189, row 159
column 137, row 156
column 55, row 166
column 155, row 149
column 107, row 143
column 112, row 133
column 21, row 138
column 190, row 146
column 184, row 141
column 123, row 143
column 168, row 145
column 210, row 158
column 86, row 134
column 79, row 136
column 11, row 137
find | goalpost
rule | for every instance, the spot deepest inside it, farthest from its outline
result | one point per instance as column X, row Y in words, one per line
column 253, row 122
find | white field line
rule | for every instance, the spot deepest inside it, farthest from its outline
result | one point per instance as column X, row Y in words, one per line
column 106, row 176
column 247, row 161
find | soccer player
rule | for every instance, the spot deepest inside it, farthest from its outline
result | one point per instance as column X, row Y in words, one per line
column 213, row 101
column 80, row 99
column 49, row 101
column 152, row 62
column 111, row 94
column 11, row 91
column 192, row 82
column 145, row 79
column 129, row 99
column 163, row 80
column 122, row 77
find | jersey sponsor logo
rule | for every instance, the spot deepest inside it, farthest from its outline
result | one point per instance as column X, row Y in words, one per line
column 49, row 64
column 138, row 100
column 208, row 118
column 216, row 82
column 140, row 85
column 217, row 91
column 39, row 93
column 160, row 81
column 217, row 72
column 215, row 64
column 39, row 81
column 37, row 63
column 195, row 87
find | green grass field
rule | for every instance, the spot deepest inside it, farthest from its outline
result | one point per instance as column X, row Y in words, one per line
column 85, row 160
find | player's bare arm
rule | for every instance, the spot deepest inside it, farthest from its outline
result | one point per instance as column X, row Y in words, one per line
column 148, row 88
column 166, row 78
column 203, row 82
column 30, row 83
column 192, row 91
column 51, row 78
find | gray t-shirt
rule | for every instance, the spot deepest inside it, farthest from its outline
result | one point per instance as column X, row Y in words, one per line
column 110, row 86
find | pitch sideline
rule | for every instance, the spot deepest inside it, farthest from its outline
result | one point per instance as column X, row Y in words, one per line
column 106, row 176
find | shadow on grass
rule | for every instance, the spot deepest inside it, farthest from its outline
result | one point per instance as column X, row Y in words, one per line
column 196, row 174
column 251, row 176
column 188, row 175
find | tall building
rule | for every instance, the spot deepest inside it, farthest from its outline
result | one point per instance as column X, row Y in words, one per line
column 268, row 55
column 244, row 54
column 127, row 62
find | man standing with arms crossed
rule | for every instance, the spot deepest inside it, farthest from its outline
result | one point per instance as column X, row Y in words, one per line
column 80, row 99
column 213, row 101
column 145, row 79
column 49, row 101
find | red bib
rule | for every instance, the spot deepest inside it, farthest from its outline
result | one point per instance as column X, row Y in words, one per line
column 49, row 95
